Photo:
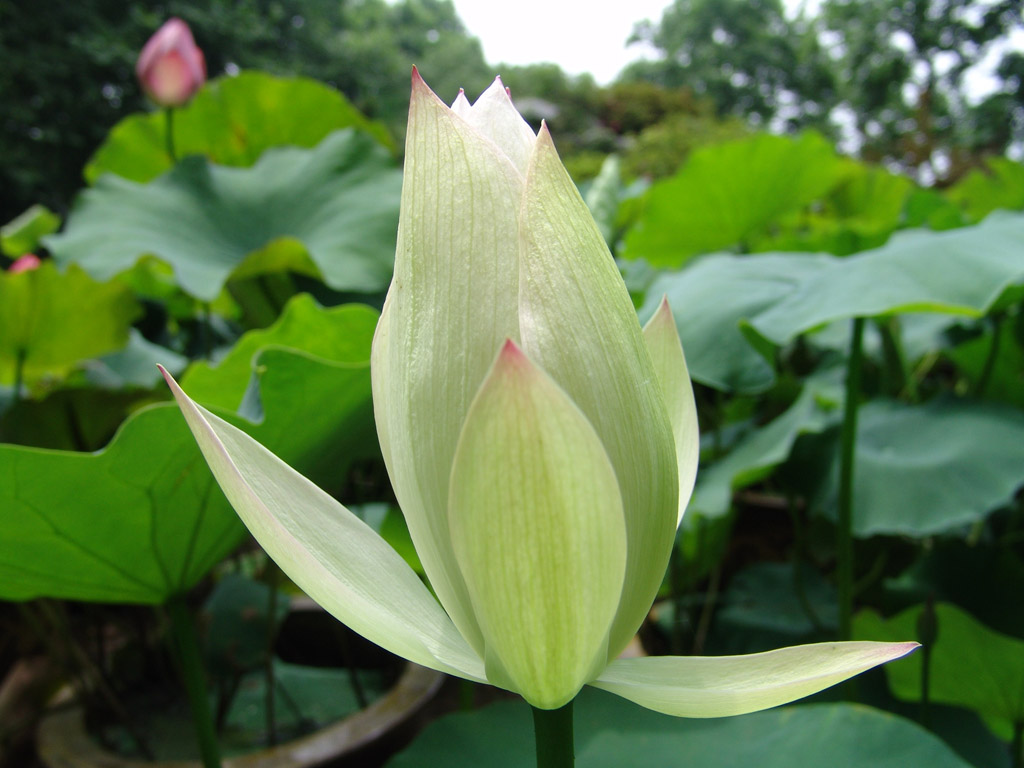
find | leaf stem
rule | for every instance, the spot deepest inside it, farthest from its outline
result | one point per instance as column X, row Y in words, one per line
column 990, row 359
column 848, row 444
column 554, row 734
column 272, row 577
column 186, row 649
column 169, row 134
column 19, row 373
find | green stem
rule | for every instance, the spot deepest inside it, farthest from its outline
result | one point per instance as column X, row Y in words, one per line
column 186, row 648
column 19, row 373
column 901, row 380
column 270, row 684
column 553, row 731
column 844, row 526
column 678, row 584
column 926, row 677
column 169, row 134
column 467, row 695
column 990, row 359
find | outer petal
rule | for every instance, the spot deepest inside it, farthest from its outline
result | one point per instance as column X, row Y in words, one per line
column 536, row 520
column 331, row 554
column 578, row 324
column 451, row 306
column 720, row 686
column 666, row 350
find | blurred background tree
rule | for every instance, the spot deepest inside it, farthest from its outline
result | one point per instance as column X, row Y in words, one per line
column 68, row 73
column 748, row 58
column 901, row 66
column 888, row 77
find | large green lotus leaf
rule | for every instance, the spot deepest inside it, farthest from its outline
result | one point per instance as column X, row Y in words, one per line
column 340, row 335
column 713, row 296
column 963, row 271
column 859, row 213
column 119, row 525
column 971, row 665
column 999, row 185
column 925, row 469
column 22, row 234
column 762, row 449
column 331, row 211
column 613, row 732
column 136, row 522
column 727, row 195
column 231, row 121
column 305, row 383
column 52, row 321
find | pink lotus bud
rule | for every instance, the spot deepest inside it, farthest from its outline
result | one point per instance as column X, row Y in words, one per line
column 171, row 67
column 26, row 263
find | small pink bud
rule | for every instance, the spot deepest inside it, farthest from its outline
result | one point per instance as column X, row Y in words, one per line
column 25, row 263
column 171, row 68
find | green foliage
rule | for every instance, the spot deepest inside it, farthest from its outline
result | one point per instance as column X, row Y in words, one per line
column 933, row 468
column 747, row 58
column 971, row 666
column 961, row 272
column 330, row 211
column 137, row 522
column 232, row 121
column 729, row 194
column 614, row 733
column 901, row 69
column 758, row 452
column 22, row 235
column 76, row 79
column 143, row 520
column 305, row 385
column 49, row 322
column 710, row 299
column 1000, row 184
column 661, row 149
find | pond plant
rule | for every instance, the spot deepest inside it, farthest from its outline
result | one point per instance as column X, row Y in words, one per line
column 542, row 446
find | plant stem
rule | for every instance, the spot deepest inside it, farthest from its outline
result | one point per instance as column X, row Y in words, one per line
column 553, row 731
column 467, row 695
column 19, row 373
column 186, row 648
column 990, row 359
column 272, row 577
column 169, row 134
column 844, row 525
column 677, row 582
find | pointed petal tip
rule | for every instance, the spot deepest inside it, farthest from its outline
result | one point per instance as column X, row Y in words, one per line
column 175, row 389
column 511, row 356
column 899, row 650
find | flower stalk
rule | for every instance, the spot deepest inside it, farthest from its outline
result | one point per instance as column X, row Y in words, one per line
column 553, row 730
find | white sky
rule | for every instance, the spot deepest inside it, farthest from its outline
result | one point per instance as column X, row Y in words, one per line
column 579, row 37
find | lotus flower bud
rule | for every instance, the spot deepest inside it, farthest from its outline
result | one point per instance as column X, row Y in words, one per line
column 25, row 263
column 171, row 68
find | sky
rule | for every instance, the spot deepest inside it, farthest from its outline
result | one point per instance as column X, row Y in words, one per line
column 572, row 34
column 532, row 31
